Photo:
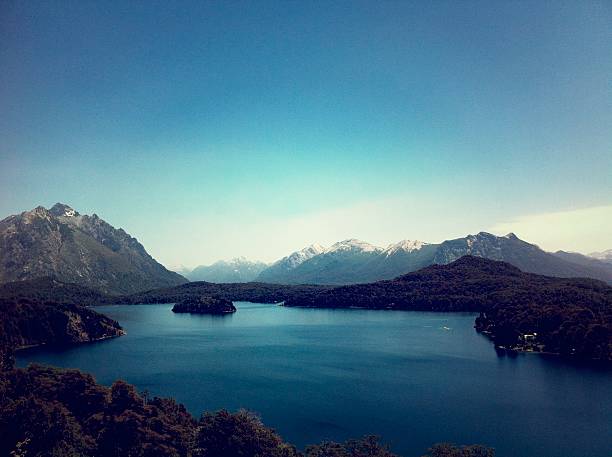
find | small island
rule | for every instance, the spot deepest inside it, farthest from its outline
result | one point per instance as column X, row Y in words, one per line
column 204, row 305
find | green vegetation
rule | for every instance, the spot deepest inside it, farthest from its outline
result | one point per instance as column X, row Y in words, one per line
column 50, row 412
column 29, row 324
column 256, row 292
column 46, row 311
column 204, row 305
column 47, row 290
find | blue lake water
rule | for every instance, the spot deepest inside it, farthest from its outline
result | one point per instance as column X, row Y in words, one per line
column 413, row 378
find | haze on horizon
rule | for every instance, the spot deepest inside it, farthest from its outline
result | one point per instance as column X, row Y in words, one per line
column 212, row 130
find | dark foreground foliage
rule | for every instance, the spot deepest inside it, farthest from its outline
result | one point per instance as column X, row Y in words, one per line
column 46, row 411
column 51, row 412
column 450, row 450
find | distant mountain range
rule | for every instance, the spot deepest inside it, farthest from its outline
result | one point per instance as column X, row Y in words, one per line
column 60, row 243
column 81, row 249
column 236, row 270
column 354, row 261
column 604, row 256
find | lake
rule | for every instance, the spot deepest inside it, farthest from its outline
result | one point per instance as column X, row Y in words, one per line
column 414, row 378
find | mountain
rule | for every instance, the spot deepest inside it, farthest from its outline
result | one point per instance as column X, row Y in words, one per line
column 604, row 256
column 595, row 266
column 467, row 284
column 526, row 256
column 344, row 262
column 353, row 261
column 235, row 270
column 398, row 258
column 282, row 270
column 73, row 248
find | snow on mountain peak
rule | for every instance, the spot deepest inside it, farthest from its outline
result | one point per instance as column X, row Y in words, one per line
column 404, row 245
column 298, row 257
column 62, row 210
column 353, row 244
column 314, row 248
column 236, row 262
column 605, row 256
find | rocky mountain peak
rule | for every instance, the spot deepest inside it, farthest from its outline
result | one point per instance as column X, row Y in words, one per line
column 404, row 246
column 353, row 245
column 73, row 248
column 36, row 214
column 63, row 210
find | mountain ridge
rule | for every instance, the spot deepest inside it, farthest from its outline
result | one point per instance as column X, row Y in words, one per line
column 238, row 269
column 353, row 261
column 604, row 256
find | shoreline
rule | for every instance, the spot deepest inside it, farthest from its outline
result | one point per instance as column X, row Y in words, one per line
column 75, row 343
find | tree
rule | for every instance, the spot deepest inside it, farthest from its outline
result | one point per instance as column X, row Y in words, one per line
column 223, row 434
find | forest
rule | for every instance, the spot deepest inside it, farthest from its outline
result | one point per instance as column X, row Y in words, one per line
column 30, row 323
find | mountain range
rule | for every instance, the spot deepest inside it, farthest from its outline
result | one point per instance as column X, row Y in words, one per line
column 63, row 244
column 604, row 256
column 354, row 261
column 238, row 269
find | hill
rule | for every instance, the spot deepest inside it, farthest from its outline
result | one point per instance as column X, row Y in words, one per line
column 251, row 291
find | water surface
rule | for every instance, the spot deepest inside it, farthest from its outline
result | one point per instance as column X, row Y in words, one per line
column 413, row 378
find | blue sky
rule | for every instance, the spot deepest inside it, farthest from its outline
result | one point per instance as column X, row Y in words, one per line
column 215, row 129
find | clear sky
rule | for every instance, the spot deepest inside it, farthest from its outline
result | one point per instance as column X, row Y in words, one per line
column 215, row 129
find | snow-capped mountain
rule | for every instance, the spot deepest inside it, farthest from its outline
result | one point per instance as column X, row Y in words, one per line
column 298, row 257
column 281, row 270
column 339, row 264
column 354, row 261
column 604, row 256
column 404, row 246
column 238, row 269
column 352, row 245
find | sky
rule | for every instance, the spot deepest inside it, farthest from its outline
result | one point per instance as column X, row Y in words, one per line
column 210, row 130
